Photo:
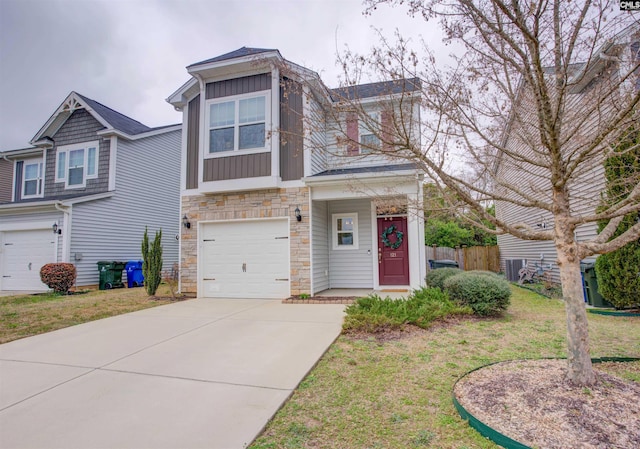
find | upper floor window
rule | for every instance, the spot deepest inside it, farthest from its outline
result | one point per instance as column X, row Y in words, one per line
column 369, row 139
column 32, row 178
column 77, row 163
column 238, row 123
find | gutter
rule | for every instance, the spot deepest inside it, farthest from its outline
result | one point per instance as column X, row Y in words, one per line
column 336, row 179
column 61, row 203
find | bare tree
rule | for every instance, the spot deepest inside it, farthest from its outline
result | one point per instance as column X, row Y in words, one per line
column 522, row 116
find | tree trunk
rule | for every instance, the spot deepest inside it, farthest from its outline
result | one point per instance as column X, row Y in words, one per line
column 580, row 369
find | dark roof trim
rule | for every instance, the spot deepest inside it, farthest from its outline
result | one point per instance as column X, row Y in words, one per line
column 372, row 169
column 114, row 118
column 361, row 91
column 239, row 53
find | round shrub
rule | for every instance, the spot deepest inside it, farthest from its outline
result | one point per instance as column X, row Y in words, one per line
column 435, row 278
column 58, row 276
column 486, row 295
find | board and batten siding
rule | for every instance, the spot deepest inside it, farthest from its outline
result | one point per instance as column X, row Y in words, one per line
column 193, row 136
column 320, row 250
column 78, row 128
column 237, row 86
column 235, row 167
column 6, row 178
column 291, row 130
column 147, row 194
column 351, row 268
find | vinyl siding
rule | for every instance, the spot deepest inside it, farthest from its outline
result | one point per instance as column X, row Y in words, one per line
column 316, row 136
column 79, row 127
column 147, row 194
column 193, row 136
column 351, row 268
column 291, row 131
column 534, row 180
column 6, row 177
column 234, row 167
column 320, row 251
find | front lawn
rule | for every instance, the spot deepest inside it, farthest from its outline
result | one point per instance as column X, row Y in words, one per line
column 27, row 315
column 366, row 393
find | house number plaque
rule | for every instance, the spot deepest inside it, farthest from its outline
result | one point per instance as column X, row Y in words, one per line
column 392, row 254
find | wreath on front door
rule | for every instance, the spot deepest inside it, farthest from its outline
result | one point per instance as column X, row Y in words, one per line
column 385, row 237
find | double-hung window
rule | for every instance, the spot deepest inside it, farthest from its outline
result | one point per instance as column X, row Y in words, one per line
column 345, row 231
column 369, row 127
column 77, row 163
column 239, row 123
column 32, row 178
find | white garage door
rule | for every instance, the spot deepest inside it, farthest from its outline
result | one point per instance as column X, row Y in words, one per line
column 23, row 254
column 245, row 259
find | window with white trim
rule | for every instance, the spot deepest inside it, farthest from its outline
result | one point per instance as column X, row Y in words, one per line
column 32, row 178
column 345, row 231
column 238, row 123
column 77, row 163
column 369, row 140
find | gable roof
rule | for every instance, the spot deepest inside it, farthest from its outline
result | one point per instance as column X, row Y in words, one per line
column 107, row 117
column 117, row 120
column 239, row 53
column 369, row 90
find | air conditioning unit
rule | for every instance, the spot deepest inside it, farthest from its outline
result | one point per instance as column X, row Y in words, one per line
column 513, row 266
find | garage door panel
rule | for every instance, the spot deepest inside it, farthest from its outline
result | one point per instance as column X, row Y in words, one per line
column 247, row 259
column 23, row 254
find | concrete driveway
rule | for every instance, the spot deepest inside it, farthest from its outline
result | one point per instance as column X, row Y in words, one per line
column 204, row 373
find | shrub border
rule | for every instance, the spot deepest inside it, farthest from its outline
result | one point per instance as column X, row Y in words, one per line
column 489, row 432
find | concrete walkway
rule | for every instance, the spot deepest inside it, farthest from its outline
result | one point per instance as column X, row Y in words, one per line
column 203, row 373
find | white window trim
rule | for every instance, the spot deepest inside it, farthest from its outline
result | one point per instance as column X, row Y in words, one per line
column 79, row 146
column 40, row 178
column 334, row 234
column 236, row 99
column 363, row 130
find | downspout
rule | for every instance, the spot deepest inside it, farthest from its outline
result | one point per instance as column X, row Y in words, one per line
column 66, row 229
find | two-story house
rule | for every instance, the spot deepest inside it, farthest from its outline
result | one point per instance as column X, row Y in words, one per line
column 592, row 96
column 277, row 200
column 84, row 192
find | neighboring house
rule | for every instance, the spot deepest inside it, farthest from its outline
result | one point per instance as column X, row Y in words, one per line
column 260, row 148
column 588, row 182
column 85, row 191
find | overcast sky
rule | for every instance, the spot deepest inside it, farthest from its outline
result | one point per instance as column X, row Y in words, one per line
column 131, row 54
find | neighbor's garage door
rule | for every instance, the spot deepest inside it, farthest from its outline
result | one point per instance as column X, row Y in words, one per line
column 23, row 254
column 245, row 259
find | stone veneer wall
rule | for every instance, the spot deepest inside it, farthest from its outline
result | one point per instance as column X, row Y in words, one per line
column 253, row 204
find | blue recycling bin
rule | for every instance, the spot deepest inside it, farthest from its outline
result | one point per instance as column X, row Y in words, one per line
column 135, row 278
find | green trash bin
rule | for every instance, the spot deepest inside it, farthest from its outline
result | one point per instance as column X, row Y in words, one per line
column 590, row 285
column 443, row 263
column 110, row 274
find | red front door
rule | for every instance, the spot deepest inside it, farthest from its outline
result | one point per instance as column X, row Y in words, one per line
column 393, row 252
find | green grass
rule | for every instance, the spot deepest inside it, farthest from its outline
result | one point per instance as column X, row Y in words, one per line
column 397, row 394
column 27, row 315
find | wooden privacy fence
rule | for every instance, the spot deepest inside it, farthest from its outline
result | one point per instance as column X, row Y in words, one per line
column 468, row 258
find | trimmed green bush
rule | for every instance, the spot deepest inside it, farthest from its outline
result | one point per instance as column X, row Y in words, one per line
column 435, row 278
column 152, row 262
column 486, row 295
column 374, row 314
column 58, row 276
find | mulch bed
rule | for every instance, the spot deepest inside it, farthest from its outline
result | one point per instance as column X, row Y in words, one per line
column 321, row 300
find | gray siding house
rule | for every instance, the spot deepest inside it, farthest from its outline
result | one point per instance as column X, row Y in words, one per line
column 98, row 178
column 588, row 181
column 278, row 204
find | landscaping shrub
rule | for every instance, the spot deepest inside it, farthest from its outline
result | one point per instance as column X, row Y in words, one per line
column 374, row 314
column 486, row 295
column 436, row 278
column 152, row 262
column 58, row 276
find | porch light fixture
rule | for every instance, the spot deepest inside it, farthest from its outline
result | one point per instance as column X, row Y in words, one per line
column 185, row 222
column 297, row 212
column 55, row 229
